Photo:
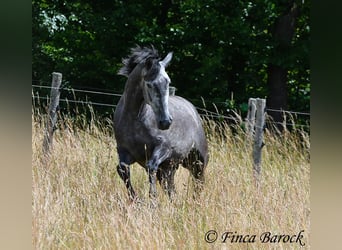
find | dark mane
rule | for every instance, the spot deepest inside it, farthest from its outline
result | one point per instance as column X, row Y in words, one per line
column 139, row 55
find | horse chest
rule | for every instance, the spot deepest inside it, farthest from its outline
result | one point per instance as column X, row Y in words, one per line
column 136, row 141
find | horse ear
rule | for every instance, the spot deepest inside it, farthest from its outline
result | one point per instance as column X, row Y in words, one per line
column 167, row 59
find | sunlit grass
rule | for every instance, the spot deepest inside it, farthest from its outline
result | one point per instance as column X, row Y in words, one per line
column 79, row 201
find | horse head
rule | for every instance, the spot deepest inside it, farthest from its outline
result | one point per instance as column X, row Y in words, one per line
column 155, row 86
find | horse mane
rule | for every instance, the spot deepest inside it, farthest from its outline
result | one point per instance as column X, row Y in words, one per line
column 139, row 55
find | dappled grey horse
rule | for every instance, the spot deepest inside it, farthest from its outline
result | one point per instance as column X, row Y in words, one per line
column 154, row 129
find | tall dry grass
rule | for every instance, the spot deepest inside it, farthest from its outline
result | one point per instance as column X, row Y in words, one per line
column 79, row 201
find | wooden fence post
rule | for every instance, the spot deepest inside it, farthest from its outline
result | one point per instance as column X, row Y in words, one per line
column 172, row 90
column 52, row 116
column 250, row 120
column 258, row 139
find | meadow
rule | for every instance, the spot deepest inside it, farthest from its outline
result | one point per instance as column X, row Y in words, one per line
column 80, row 202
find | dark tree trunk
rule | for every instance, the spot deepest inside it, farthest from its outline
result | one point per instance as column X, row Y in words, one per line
column 162, row 17
column 283, row 32
column 277, row 85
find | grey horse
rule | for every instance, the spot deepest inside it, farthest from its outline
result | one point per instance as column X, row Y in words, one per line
column 154, row 129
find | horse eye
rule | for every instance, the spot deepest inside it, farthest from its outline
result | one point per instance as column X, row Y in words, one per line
column 149, row 85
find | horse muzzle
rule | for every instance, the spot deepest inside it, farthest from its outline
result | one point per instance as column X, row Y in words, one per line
column 165, row 123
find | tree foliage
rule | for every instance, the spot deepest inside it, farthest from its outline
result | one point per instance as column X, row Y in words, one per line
column 221, row 48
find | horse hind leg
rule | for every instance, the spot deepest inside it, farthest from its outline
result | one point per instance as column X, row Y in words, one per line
column 195, row 164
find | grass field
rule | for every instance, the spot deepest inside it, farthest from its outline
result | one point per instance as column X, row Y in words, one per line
column 79, row 201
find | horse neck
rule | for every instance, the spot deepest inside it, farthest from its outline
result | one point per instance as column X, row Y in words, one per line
column 133, row 94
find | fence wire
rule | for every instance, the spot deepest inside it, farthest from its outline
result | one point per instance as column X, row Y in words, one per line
column 287, row 111
column 81, row 90
column 80, row 102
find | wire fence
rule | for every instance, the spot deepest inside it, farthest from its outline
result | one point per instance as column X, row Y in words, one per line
column 202, row 111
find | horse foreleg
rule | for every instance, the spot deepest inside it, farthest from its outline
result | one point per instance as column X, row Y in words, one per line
column 123, row 170
column 158, row 156
column 124, row 173
column 153, row 188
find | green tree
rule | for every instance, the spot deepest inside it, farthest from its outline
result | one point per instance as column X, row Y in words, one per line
column 221, row 48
